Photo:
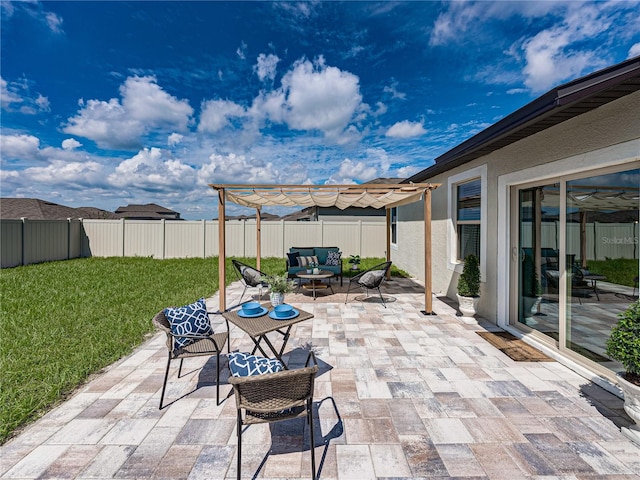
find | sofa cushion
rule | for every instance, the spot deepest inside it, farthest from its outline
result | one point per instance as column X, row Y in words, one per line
column 303, row 251
column 293, row 258
column 323, row 252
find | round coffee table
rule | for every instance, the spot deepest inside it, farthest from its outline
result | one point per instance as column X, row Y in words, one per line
column 315, row 281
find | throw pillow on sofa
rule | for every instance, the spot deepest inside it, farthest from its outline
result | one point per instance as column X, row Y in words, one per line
column 293, row 259
column 333, row 258
column 306, row 261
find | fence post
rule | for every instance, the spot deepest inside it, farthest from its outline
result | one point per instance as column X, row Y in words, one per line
column 204, row 238
column 123, row 236
column 68, row 238
column 23, row 219
column 164, row 238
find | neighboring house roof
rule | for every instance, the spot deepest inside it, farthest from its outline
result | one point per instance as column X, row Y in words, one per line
column 148, row 211
column 264, row 216
column 36, row 209
column 556, row 106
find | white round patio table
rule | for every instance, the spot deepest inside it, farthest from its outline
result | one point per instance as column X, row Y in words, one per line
column 315, row 281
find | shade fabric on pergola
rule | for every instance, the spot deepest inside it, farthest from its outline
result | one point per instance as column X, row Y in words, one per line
column 374, row 195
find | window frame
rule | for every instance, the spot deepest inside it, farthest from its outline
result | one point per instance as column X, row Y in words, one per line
column 393, row 226
column 453, row 182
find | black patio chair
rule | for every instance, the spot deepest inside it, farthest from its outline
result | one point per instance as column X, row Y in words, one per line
column 249, row 276
column 371, row 279
column 274, row 397
column 201, row 345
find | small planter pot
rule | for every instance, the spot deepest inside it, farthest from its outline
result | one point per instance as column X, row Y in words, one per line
column 276, row 298
column 632, row 407
column 468, row 305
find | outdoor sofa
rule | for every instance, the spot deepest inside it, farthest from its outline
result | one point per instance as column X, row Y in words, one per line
column 328, row 258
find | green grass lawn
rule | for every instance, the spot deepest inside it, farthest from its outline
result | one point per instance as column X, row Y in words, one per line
column 617, row 270
column 60, row 322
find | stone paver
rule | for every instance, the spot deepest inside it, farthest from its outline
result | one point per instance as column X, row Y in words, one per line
column 399, row 395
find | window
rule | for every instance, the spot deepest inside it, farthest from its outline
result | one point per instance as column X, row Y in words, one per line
column 394, row 225
column 468, row 215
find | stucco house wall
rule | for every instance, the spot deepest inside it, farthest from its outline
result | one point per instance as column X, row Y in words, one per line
column 568, row 143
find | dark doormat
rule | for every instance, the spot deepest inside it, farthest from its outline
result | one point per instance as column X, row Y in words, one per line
column 585, row 352
column 514, row 348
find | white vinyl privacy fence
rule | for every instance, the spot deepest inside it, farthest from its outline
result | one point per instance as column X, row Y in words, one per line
column 23, row 242
column 33, row 241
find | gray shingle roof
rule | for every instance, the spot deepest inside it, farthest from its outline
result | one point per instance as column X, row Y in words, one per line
column 36, row 209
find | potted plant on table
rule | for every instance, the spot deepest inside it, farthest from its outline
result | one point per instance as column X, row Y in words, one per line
column 354, row 260
column 278, row 286
column 624, row 345
column 469, row 286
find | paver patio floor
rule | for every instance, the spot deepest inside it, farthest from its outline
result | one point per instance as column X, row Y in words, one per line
column 399, row 395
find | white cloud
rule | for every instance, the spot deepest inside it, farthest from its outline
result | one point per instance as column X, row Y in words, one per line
column 266, row 66
column 353, row 172
column 43, row 103
column 174, row 139
column 242, row 51
column 634, row 51
column 54, row 22
column 19, row 147
column 555, row 54
column 70, row 144
column 234, row 168
column 393, row 90
column 7, row 95
column 320, row 98
column 144, row 106
column 406, row 129
column 215, row 115
column 149, row 170
column 60, row 172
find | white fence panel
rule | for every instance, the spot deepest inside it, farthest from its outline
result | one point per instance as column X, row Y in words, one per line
column 144, row 238
column 103, row 238
column 272, row 235
column 11, row 243
column 184, row 239
column 303, row 234
column 373, row 241
column 45, row 240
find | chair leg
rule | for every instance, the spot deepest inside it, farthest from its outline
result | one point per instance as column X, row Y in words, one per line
column 243, row 291
column 239, row 433
column 311, row 439
column 347, row 297
column 180, row 368
column 218, row 377
column 164, row 385
column 382, row 298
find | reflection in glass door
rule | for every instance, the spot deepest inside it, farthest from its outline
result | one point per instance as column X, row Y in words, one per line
column 538, row 268
column 578, row 269
column 602, row 258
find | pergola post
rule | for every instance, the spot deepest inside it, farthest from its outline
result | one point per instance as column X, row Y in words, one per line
column 222, row 251
column 388, row 245
column 258, row 237
column 428, row 301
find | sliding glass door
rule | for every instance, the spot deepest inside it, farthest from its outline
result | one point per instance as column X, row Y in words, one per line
column 578, row 259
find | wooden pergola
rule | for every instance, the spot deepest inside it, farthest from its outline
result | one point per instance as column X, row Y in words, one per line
column 372, row 195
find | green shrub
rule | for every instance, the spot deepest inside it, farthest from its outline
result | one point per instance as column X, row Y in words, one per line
column 469, row 281
column 624, row 342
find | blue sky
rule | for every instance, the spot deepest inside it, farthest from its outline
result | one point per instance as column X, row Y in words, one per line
column 110, row 103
